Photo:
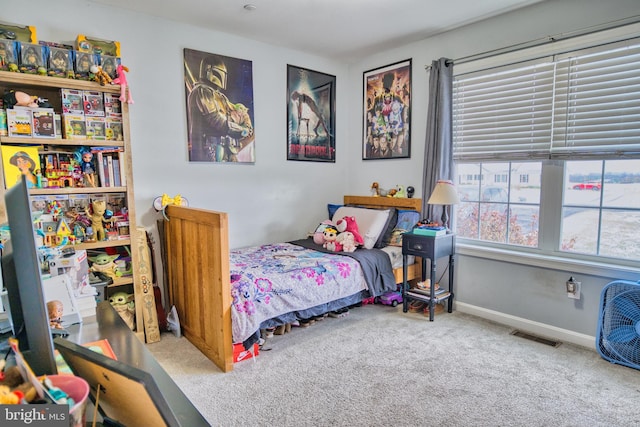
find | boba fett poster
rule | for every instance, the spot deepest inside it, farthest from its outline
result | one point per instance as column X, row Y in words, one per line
column 219, row 98
column 310, row 115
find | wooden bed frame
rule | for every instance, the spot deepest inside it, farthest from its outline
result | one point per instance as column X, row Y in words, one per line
column 198, row 273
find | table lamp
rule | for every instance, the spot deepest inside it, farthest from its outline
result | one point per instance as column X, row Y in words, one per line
column 444, row 194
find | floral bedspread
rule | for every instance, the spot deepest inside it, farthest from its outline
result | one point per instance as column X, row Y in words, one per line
column 271, row 280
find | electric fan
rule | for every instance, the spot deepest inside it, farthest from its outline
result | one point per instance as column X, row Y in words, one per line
column 618, row 337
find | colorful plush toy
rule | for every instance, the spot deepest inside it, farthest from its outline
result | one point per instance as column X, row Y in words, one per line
column 347, row 240
column 100, row 75
column 318, row 235
column 125, row 90
column 331, row 239
column 348, row 223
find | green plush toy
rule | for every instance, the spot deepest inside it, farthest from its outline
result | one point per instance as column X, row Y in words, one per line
column 104, row 263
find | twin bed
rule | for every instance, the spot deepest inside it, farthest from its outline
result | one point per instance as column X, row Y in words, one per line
column 224, row 297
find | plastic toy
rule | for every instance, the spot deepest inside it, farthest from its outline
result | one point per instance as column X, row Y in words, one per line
column 99, row 207
column 125, row 90
column 106, row 265
column 392, row 298
column 123, row 303
column 100, row 76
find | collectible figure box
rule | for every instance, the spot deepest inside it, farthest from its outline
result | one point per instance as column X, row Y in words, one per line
column 57, row 120
column 113, row 130
column 74, row 126
column 109, row 65
column 19, row 122
column 95, row 127
column 3, row 122
column 83, row 63
column 32, row 59
column 98, row 46
column 60, row 62
column 93, row 103
column 8, row 55
column 22, row 33
column 72, row 101
column 112, row 106
column 43, row 123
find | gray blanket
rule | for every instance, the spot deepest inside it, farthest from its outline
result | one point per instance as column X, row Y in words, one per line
column 375, row 264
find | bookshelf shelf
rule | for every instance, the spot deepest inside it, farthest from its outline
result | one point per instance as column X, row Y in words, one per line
column 61, row 155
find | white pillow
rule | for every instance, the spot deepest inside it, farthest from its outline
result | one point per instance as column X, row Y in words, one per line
column 371, row 222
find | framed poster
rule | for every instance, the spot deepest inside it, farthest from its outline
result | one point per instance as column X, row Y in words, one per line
column 310, row 115
column 387, row 112
column 219, row 99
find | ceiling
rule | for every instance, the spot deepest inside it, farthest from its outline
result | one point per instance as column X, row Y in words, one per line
column 339, row 29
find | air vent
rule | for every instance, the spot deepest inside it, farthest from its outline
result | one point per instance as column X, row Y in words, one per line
column 536, row 338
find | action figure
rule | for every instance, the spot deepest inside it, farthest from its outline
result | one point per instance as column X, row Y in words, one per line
column 55, row 310
column 88, row 172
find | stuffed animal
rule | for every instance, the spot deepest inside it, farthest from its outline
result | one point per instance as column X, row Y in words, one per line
column 103, row 263
column 125, row 306
column 331, row 239
column 348, row 223
column 100, row 75
column 318, row 235
column 125, row 90
column 347, row 240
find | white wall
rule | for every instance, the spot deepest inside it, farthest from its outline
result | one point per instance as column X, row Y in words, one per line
column 278, row 200
column 526, row 296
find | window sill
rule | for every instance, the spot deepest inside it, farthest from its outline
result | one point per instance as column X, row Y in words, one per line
column 601, row 269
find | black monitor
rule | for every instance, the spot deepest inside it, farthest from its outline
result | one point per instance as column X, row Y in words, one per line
column 23, row 282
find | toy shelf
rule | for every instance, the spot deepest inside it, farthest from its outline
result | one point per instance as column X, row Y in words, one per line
column 7, row 140
column 26, row 81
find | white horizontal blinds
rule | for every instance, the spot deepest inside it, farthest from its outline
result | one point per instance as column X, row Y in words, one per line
column 504, row 113
column 597, row 103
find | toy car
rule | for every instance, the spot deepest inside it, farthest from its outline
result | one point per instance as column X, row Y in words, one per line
column 392, row 298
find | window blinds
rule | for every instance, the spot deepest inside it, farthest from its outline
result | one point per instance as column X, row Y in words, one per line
column 581, row 104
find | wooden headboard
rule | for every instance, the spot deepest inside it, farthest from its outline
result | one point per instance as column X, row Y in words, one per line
column 384, row 202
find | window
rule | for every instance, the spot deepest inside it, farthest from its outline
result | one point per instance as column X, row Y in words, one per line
column 515, row 125
column 601, row 208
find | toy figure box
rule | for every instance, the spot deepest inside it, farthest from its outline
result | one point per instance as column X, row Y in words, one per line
column 72, row 101
column 22, row 33
column 93, row 103
column 60, row 62
column 19, row 122
column 109, row 65
column 74, row 126
column 113, row 106
column 95, row 127
column 8, row 55
column 113, row 130
column 97, row 46
column 32, row 59
column 76, row 265
column 83, row 64
column 3, row 122
column 43, row 123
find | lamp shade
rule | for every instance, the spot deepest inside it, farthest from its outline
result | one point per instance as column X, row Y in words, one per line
column 444, row 194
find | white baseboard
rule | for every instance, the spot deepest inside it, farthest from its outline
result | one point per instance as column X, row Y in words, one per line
column 541, row 329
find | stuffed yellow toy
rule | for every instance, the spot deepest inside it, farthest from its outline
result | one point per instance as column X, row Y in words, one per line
column 100, row 76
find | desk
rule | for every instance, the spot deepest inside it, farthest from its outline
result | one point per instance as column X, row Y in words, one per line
column 130, row 350
column 431, row 247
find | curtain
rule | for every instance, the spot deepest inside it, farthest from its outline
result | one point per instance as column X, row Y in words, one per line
column 438, row 159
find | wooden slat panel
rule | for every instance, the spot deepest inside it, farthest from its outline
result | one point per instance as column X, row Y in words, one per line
column 199, row 283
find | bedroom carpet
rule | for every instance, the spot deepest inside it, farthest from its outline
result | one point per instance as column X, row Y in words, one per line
column 381, row 367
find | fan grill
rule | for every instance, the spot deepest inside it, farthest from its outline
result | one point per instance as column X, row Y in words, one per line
column 618, row 338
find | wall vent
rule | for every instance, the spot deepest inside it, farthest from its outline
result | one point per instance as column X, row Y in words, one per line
column 536, row 338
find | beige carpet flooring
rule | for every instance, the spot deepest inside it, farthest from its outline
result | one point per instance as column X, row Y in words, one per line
column 382, row 367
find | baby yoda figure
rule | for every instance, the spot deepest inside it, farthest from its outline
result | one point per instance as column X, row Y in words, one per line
column 125, row 306
column 104, row 263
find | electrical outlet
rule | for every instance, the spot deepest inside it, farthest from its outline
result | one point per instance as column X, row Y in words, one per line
column 573, row 288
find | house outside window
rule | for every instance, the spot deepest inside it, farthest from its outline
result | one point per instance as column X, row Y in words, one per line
column 553, row 145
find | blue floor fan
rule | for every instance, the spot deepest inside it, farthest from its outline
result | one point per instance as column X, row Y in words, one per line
column 618, row 338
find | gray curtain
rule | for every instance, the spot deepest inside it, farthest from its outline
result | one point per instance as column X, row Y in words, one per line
column 438, row 159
